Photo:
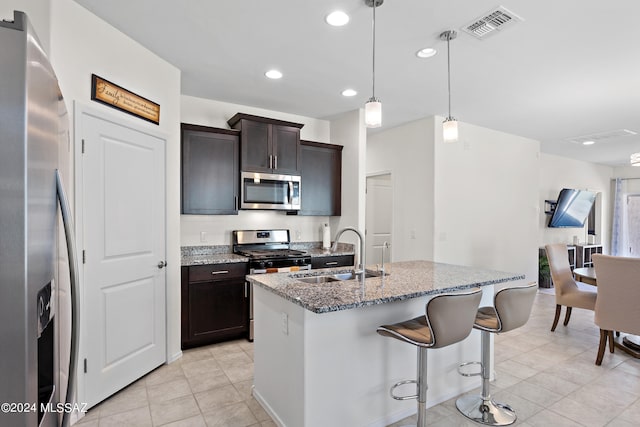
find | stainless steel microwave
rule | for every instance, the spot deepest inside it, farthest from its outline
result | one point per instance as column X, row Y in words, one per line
column 269, row 191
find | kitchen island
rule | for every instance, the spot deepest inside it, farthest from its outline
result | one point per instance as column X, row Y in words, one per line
column 318, row 360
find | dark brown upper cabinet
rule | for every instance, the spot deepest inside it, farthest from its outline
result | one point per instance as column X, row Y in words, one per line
column 210, row 175
column 268, row 145
column 321, row 182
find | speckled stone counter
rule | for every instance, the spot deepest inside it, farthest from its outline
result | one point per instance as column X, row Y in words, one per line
column 223, row 254
column 314, row 249
column 405, row 280
column 203, row 255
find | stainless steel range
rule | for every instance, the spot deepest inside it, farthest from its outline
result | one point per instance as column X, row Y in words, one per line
column 269, row 251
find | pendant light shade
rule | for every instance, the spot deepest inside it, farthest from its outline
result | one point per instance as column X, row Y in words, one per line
column 635, row 159
column 450, row 125
column 373, row 107
column 373, row 113
column 450, row 130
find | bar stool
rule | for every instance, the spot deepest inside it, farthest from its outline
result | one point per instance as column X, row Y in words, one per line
column 448, row 319
column 512, row 310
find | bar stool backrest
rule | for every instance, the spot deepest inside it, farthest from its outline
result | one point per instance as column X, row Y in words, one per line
column 450, row 317
column 513, row 306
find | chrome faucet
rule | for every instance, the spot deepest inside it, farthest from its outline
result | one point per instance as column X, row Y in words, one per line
column 360, row 269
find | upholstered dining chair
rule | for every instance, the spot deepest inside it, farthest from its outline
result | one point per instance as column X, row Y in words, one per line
column 567, row 292
column 618, row 296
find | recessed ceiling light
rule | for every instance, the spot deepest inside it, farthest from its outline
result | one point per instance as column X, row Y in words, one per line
column 337, row 18
column 349, row 92
column 427, row 52
column 588, row 142
column 273, row 74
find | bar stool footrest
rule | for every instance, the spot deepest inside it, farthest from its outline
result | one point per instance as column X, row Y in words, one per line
column 486, row 411
column 398, row 384
column 471, row 374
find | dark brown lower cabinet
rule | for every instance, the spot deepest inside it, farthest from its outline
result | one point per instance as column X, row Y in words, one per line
column 215, row 303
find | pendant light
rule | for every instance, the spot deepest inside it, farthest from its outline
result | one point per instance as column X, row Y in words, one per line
column 373, row 107
column 635, row 159
column 450, row 125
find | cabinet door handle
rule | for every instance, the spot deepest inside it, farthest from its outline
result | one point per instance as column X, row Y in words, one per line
column 235, row 202
column 331, row 263
column 246, row 284
column 270, row 161
column 275, row 162
column 220, row 272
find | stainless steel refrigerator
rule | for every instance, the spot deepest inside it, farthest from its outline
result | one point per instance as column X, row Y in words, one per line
column 33, row 241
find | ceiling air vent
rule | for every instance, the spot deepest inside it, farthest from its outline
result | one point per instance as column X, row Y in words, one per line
column 602, row 136
column 491, row 22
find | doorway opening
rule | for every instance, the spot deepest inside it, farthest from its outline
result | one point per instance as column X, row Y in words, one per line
column 378, row 218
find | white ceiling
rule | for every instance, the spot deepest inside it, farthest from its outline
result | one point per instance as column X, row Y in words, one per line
column 570, row 68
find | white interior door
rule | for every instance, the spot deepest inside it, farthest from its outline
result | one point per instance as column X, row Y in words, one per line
column 378, row 217
column 123, row 224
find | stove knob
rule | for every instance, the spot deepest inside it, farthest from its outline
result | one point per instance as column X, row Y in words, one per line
column 269, row 264
column 296, row 262
column 261, row 264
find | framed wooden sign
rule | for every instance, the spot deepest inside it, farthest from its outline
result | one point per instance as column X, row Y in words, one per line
column 107, row 93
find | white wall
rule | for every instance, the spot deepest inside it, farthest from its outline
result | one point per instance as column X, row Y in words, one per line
column 218, row 228
column 557, row 173
column 626, row 172
column 486, row 194
column 349, row 131
column 407, row 153
column 82, row 44
column 473, row 202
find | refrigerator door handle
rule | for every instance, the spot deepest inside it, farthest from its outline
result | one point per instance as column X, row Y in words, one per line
column 67, row 222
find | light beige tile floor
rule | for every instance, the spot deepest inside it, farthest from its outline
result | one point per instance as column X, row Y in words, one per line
column 549, row 378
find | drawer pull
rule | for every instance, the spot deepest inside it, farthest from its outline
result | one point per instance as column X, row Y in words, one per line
column 220, row 272
column 331, row 263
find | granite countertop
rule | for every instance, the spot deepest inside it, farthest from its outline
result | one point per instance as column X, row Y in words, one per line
column 405, row 280
column 341, row 250
column 223, row 254
column 203, row 255
column 227, row 258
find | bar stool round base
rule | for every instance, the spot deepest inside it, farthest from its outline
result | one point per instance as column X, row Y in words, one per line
column 485, row 411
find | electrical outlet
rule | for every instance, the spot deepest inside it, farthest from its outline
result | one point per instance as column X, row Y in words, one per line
column 203, row 236
column 285, row 323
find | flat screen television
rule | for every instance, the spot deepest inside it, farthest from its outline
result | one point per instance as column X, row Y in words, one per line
column 572, row 208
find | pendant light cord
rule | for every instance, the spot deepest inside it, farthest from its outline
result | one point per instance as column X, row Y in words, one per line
column 373, row 89
column 449, row 72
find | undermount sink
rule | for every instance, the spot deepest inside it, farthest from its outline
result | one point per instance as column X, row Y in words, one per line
column 338, row 277
column 352, row 275
column 319, row 279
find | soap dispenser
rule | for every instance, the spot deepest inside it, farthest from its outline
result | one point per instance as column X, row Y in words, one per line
column 326, row 236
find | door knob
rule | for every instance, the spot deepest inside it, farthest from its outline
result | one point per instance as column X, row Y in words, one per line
column 162, row 264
